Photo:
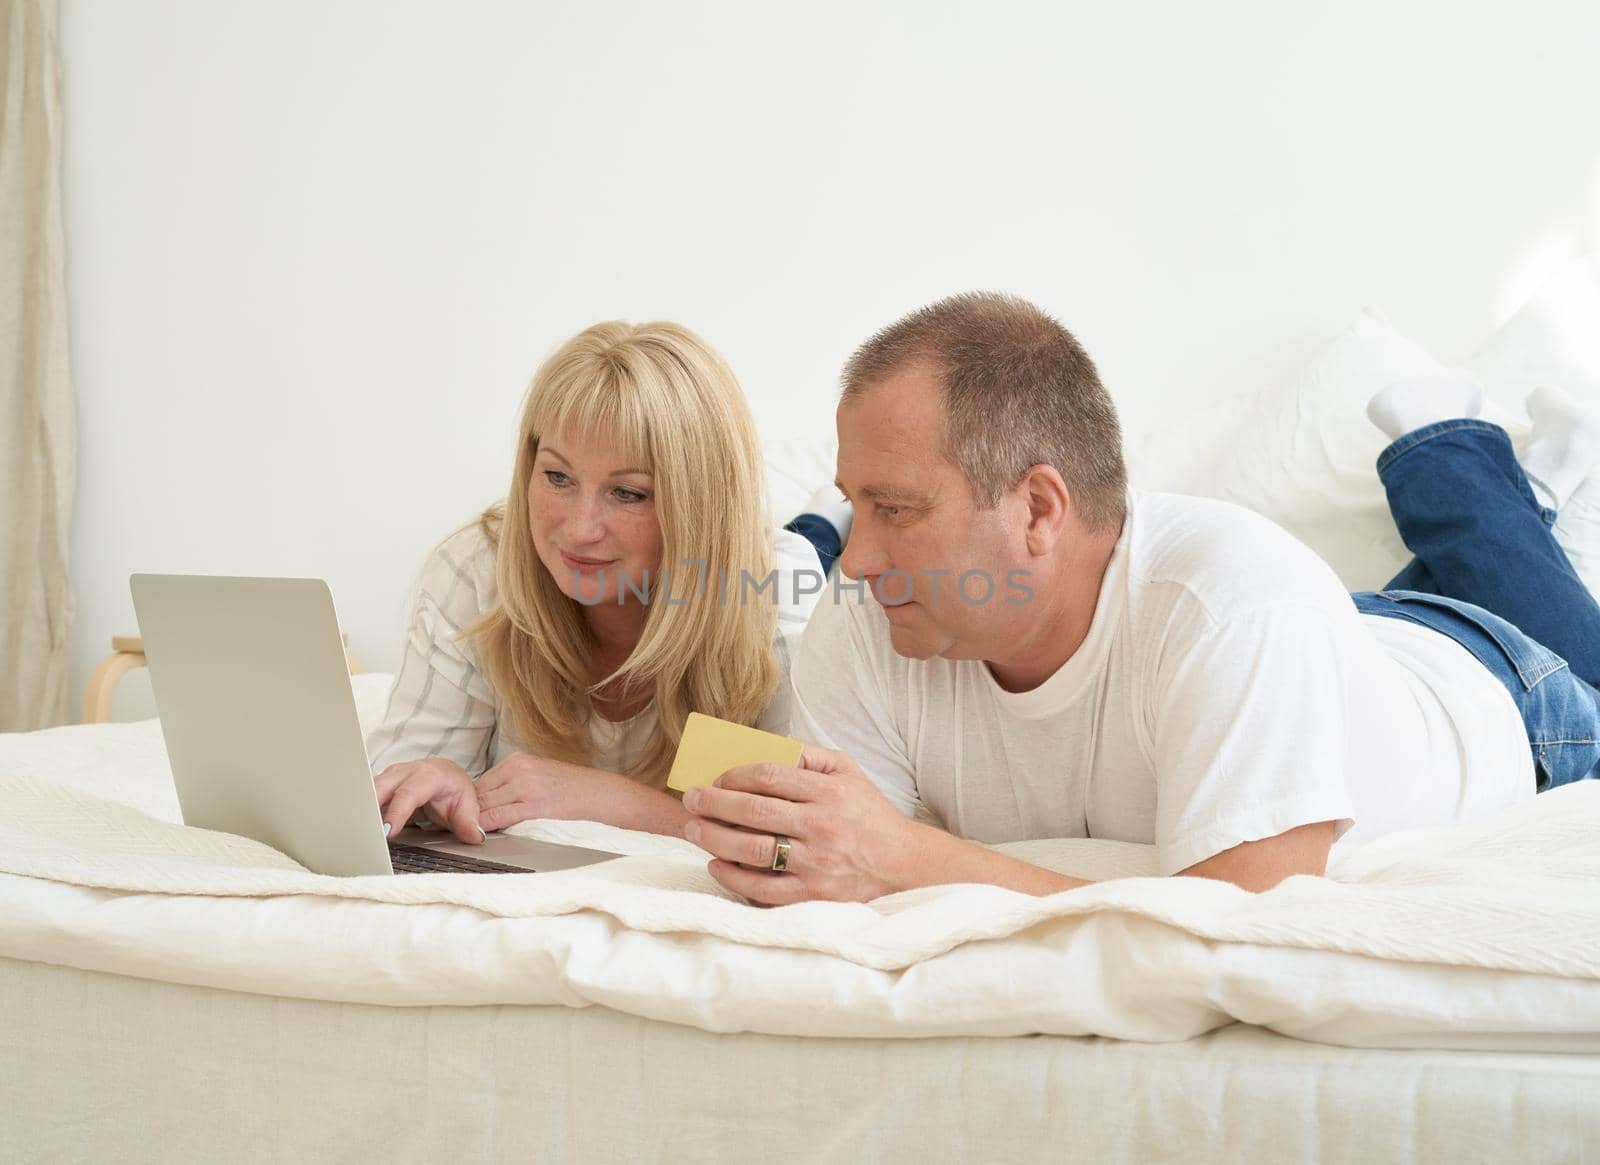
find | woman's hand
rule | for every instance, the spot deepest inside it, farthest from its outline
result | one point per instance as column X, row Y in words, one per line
column 520, row 788
column 441, row 785
column 523, row 787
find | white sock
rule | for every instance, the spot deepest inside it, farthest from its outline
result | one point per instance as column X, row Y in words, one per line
column 1407, row 405
column 1563, row 446
column 829, row 503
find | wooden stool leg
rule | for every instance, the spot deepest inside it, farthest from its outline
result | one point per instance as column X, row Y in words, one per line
column 97, row 696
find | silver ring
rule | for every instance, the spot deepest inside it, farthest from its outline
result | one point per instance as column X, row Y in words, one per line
column 780, row 854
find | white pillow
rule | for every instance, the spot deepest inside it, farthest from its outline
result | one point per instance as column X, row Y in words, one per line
column 1180, row 455
column 1303, row 454
column 797, row 468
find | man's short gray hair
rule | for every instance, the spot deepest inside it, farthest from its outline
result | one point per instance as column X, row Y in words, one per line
column 1020, row 391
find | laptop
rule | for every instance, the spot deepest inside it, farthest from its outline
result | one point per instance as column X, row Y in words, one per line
column 255, row 702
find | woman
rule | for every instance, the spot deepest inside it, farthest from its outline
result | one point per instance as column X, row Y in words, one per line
column 558, row 643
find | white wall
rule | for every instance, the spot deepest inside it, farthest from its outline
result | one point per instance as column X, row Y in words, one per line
column 317, row 248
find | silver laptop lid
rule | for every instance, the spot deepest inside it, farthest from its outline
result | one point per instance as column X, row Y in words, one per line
column 260, row 722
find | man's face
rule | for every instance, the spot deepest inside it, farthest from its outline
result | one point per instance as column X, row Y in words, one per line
column 918, row 529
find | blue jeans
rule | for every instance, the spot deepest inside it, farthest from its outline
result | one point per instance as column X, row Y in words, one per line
column 823, row 536
column 1489, row 574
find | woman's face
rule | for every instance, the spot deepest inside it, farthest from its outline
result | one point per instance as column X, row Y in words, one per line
column 592, row 514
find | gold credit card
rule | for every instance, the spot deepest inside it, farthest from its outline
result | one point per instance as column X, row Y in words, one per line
column 710, row 747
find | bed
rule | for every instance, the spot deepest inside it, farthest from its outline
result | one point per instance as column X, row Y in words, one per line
column 1443, row 996
column 168, row 993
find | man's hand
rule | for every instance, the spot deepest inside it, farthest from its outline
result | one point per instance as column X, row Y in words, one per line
column 846, row 842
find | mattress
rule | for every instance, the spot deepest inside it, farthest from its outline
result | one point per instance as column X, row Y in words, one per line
column 97, row 1066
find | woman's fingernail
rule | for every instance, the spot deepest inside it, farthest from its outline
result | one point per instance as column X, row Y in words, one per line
column 482, row 836
column 691, row 832
column 386, row 828
column 691, row 798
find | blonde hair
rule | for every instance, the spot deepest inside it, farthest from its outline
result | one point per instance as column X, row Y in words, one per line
column 666, row 401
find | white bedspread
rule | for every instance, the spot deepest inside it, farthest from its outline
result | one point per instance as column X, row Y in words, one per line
column 1486, row 937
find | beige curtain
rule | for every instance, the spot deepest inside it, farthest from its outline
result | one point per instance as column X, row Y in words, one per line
column 37, row 430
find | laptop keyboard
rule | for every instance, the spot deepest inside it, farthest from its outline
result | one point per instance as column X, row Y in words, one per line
column 412, row 859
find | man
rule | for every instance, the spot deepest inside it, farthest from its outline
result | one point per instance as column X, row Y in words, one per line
column 1041, row 653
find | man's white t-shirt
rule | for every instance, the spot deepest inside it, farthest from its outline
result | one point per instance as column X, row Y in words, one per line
column 1227, row 691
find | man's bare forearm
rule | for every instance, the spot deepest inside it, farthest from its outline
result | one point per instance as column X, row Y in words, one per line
column 933, row 857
